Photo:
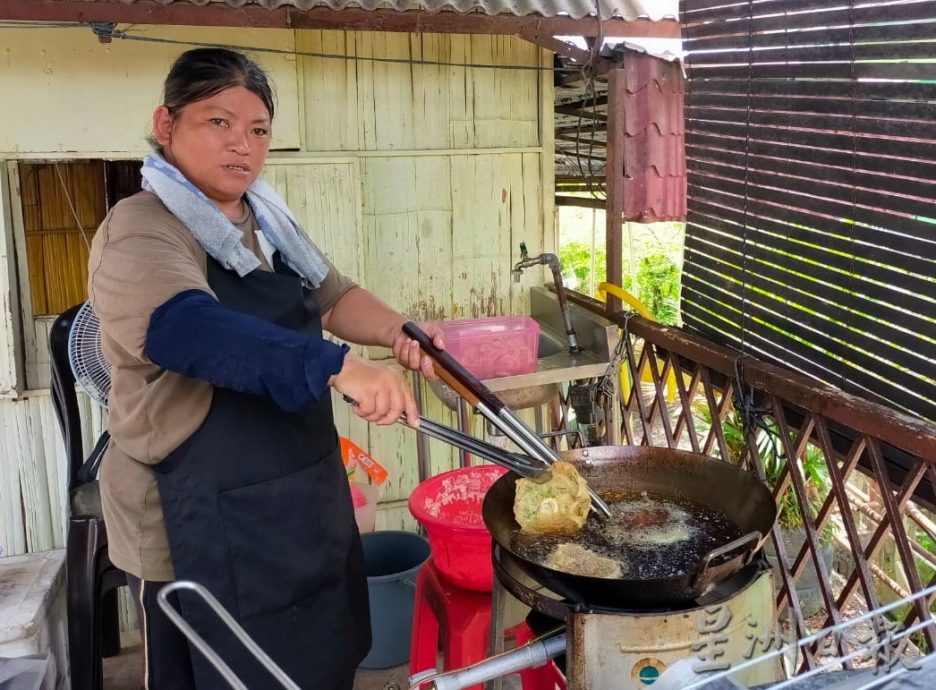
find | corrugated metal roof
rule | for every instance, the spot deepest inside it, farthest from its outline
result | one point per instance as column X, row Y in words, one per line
column 654, row 132
column 577, row 9
column 654, row 140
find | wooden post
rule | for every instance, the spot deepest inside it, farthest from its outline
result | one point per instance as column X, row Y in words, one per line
column 12, row 380
column 614, row 178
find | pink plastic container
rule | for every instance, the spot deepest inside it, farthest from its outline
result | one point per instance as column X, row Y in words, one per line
column 493, row 347
column 449, row 507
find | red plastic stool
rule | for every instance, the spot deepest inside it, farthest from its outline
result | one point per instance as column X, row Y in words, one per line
column 460, row 617
column 546, row 677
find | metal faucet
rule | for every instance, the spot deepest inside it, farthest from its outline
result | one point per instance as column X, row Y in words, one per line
column 555, row 266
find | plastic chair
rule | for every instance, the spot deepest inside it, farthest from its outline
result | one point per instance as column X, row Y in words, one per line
column 91, row 597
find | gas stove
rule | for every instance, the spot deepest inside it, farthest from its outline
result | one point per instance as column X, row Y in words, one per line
column 628, row 650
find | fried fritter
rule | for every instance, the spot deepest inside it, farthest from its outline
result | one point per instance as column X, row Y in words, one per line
column 577, row 560
column 557, row 506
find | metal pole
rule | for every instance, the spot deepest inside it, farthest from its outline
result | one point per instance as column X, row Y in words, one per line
column 422, row 443
column 464, row 426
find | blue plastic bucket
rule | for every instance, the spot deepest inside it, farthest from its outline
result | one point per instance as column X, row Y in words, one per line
column 391, row 561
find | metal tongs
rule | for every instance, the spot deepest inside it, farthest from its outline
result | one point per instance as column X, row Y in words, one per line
column 521, row 464
column 491, row 408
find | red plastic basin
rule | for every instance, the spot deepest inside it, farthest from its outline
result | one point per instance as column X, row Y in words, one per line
column 449, row 507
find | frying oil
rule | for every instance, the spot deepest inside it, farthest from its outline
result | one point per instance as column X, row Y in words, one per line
column 650, row 536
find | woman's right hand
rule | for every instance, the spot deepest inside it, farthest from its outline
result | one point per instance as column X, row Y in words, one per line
column 380, row 394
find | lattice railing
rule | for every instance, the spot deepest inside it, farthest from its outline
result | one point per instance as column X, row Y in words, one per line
column 684, row 392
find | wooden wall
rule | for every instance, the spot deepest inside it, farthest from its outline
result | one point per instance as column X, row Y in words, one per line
column 418, row 181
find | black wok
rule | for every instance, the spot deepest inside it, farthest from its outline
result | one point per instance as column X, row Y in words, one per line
column 721, row 492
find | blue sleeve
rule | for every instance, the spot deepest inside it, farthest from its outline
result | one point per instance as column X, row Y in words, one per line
column 192, row 334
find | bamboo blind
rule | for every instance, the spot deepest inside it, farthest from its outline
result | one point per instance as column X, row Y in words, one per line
column 810, row 140
column 63, row 203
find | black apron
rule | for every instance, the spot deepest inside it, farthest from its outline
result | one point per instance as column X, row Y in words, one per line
column 258, row 510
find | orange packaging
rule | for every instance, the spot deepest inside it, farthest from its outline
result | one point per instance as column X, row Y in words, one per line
column 354, row 457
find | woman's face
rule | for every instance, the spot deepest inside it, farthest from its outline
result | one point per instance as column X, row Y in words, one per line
column 220, row 144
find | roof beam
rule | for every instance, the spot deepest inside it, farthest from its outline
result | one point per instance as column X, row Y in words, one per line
column 591, row 144
column 580, row 112
column 580, row 201
column 576, row 131
column 218, row 14
column 571, row 153
column 600, row 65
column 599, row 100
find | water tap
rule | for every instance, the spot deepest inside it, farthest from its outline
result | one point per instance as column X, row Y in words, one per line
column 552, row 261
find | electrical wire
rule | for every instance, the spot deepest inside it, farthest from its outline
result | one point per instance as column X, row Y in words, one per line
column 336, row 56
column 71, row 205
column 752, row 416
column 110, row 31
column 849, row 285
column 587, row 71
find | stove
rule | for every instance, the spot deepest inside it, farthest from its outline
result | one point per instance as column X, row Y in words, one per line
column 628, row 650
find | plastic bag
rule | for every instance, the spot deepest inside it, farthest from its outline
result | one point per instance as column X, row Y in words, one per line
column 354, row 457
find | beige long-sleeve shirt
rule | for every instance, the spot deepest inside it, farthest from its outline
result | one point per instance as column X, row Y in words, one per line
column 142, row 256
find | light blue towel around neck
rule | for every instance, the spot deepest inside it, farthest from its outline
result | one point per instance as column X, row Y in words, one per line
column 218, row 236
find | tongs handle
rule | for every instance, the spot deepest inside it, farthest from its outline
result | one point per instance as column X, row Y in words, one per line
column 484, row 401
column 453, row 373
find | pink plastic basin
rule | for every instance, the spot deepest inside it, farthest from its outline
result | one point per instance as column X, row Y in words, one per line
column 449, row 507
column 493, row 347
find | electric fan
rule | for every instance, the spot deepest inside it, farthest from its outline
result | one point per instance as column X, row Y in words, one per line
column 88, row 363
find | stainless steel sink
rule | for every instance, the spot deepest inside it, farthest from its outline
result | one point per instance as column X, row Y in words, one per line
column 549, row 345
column 554, row 365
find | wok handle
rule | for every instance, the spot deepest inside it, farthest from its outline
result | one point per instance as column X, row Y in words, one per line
column 453, row 373
column 753, row 537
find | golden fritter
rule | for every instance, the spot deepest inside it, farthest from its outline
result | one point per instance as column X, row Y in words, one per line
column 577, row 560
column 556, row 506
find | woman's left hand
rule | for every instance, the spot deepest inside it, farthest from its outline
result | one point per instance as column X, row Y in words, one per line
column 409, row 355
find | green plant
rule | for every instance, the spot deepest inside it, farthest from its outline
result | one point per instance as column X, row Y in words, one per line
column 811, row 463
column 576, row 258
column 658, row 278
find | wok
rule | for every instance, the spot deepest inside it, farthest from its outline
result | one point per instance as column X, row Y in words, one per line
column 707, row 493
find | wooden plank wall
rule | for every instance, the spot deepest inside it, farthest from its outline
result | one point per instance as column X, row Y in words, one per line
column 33, row 471
column 418, row 181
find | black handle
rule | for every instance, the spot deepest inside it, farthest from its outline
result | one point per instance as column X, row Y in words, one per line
column 453, row 373
column 746, row 546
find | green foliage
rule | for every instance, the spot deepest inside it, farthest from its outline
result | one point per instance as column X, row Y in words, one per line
column 576, row 258
column 925, row 540
column 658, row 278
column 812, row 466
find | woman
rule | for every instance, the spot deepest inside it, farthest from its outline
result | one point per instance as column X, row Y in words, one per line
column 224, row 465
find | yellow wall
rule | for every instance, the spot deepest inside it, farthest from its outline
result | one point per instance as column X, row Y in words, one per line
column 419, row 181
column 63, row 91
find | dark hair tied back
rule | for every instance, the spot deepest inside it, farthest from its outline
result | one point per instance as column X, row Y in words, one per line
column 203, row 72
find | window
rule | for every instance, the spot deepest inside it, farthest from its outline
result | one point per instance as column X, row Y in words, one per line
column 63, row 203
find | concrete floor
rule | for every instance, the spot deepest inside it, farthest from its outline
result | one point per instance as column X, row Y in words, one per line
column 123, row 672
